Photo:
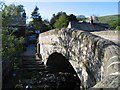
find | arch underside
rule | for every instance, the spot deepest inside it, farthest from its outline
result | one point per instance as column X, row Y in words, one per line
column 59, row 63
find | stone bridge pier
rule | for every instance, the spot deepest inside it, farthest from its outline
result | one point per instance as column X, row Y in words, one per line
column 95, row 60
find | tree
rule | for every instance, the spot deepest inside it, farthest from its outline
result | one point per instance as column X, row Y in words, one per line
column 11, row 46
column 55, row 18
column 118, row 28
column 113, row 24
column 62, row 21
column 13, row 10
column 9, row 11
column 72, row 17
column 35, row 15
column 37, row 22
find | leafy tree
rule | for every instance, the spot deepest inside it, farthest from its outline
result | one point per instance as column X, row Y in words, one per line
column 36, row 18
column 11, row 46
column 113, row 24
column 9, row 11
column 55, row 18
column 62, row 21
column 118, row 28
column 37, row 22
column 72, row 17
column 13, row 10
column 35, row 15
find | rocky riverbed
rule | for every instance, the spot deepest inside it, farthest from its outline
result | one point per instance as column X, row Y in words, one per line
column 49, row 81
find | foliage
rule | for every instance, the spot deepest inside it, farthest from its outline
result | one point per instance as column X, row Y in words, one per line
column 37, row 22
column 55, row 18
column 9, row 11
column 35, row 15
column 113, row 24
column 106, row 19
column 62, row 21
column 112, row 20
column 13, row 10
column 11, row 46
column 118, row 28
column 72, row 17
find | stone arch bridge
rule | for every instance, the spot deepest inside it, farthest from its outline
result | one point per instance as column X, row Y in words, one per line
column 95, row 59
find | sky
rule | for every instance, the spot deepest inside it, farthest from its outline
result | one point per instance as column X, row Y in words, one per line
column 47, row 9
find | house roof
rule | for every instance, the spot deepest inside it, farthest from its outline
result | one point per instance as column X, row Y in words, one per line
column 87, row 26
column 17, row 21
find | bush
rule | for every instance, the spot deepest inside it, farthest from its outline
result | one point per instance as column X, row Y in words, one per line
column 11, row 46
column 118, row 28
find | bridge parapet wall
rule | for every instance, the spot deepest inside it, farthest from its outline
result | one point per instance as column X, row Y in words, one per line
column 112, row 35
column 93, row 58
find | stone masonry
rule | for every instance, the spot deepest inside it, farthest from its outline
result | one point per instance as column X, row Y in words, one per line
column 96, row 60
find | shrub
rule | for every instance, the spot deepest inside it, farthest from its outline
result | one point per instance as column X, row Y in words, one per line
column 118, row 28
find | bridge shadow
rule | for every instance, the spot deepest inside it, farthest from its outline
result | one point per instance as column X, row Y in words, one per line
column 58, row 63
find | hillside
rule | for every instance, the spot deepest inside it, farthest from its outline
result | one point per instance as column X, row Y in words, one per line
column 108, row 19
column 111, row 20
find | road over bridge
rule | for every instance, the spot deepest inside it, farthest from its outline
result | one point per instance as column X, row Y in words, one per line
column 95, row 60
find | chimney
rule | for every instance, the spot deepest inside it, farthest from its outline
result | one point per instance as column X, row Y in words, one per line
column 24, row 14
column 91, row 20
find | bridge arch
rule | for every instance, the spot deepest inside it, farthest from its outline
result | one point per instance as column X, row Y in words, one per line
column 59, row 63
column 89, row 55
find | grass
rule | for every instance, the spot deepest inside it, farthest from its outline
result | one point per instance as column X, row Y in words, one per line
column 108, row 19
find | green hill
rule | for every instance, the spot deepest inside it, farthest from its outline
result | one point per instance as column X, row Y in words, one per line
column 108, row 19
column 112, row 20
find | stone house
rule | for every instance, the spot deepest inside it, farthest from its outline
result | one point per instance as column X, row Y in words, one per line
column 18, row 23
column 88, row 26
